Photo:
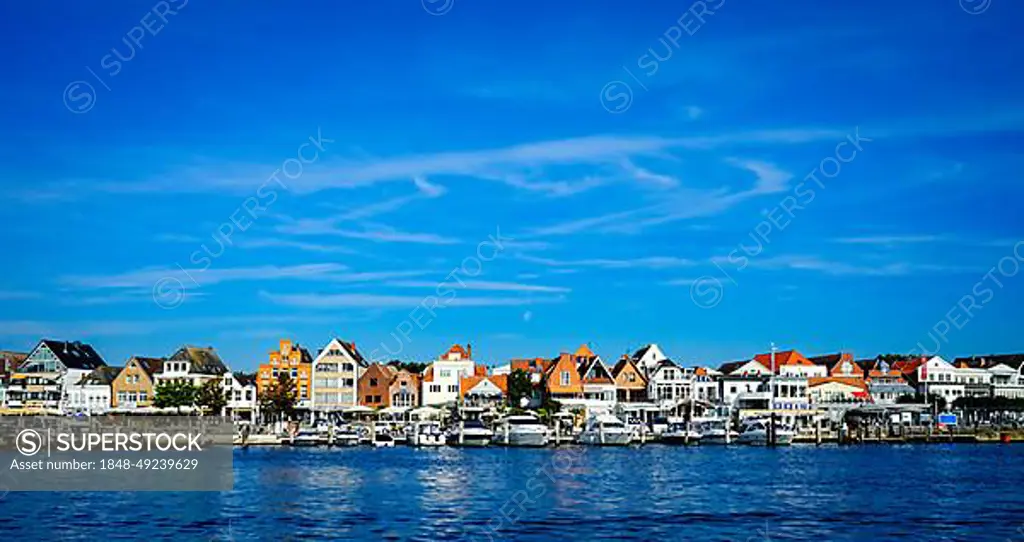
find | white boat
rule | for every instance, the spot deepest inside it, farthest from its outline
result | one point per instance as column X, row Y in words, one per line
column 470, row 433
column 307, row 436
column 606, row 430
column 345, row 435
column 717, row 431
column 521, row 430
column 428, row 433
column 755, row 432
column 678, row 433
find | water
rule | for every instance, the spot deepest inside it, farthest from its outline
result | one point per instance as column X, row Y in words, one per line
column 936, row 492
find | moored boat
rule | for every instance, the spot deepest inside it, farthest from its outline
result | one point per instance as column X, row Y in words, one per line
column 755, row 432
column 470, row 433
column 679, row 433
column 521, row 430
column 606, row 430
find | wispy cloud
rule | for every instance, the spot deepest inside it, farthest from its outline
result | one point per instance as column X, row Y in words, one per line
column 146, row 278
column 889, row 239
column 296, row 244
column 397, row 301
column 649, row 262
column 378, row 233
column 105, row 328
column 485, row 286
column 843, row 268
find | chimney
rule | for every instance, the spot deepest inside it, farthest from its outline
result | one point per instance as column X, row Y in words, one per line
column 469, row 351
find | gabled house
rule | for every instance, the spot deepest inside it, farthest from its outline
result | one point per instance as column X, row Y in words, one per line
column 837, row 389
column 294, row 361
column 242, row 394
column 91, row 394
column 599, row 390
column 647, row 358
column 841, row 365
column 335, row 374
column 134, row 387
column 43, row 380
column 562, row 381
column 193, row 364
column 791, row 363
column 374, row 385
column 441, row 379
column 630, row 381
column 483, row 390
column 404, row 389
column 666, row 384
column 744, row 368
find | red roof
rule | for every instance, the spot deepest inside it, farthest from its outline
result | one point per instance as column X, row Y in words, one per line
column 787, row 357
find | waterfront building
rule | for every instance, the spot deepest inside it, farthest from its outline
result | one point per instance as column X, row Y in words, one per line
column 441, row 379
column 748, row 367
column 934, row 376
column 667, row 385
column 241, row 393
column 704, row 384
column 599, row 389
column 1006, row 373
column 134, row 387
column 884, row 393
column 482, row 390
column 336, row 371
column 193, row 364
column 92, row 394
column 9, row 363
column 841, row 365
column 791, row 363
column 647, row 358
column 374, row 385
column 630, row 381
column 404, row 389
column 837, row 390
column 43, row 380
column 536, row 368
column 295, row 361
column 562, row 381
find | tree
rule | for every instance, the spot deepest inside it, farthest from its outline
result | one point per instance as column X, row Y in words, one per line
column 519, row 386
column 174, row 394
column 211, row 397
column 280, row 398
column 411, row 366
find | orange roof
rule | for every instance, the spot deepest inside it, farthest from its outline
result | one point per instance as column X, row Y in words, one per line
column 907, row 366
column 530, row 365
column 480, row 370
column 428, row 374
column 468, row 383
column 584, row 351
column 855, row 382
column 788, row 357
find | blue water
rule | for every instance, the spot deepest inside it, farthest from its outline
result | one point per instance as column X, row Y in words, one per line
column 937, row 492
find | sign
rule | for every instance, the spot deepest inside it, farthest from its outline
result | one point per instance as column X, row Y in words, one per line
column 947, row 419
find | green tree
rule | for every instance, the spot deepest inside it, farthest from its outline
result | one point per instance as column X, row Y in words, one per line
column 519, row 386
column 174, row 394
column 411, row 366
column 211, row 397
column 278, row 402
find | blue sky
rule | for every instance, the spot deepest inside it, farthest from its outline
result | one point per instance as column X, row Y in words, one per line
column 629, row 153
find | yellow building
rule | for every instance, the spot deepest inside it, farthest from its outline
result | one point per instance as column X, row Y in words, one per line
column 292, row 360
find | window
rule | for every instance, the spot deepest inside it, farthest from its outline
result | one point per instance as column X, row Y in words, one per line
column 453, row 389
column 446, row 373
column 565, row 378
column 435, row 388
column 143, row 396
column 373, row 381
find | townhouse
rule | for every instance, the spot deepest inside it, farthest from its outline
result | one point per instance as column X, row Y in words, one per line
column 295, row 361
column 9, row 363
column 1006, row 373
column 241, row 392
column 134, row 388
column 193, row 364
column 335, row 372
column 91, row 394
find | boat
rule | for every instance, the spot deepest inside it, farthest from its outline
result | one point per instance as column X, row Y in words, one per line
column 427, row 433
column 383, row 439
column 564, row 431
column 470, row 433
column 716, row 431
column 521, row 430
column 345, row 435
column 679, row 433
column 755, row 433
column 307, row 436
column 606, row 430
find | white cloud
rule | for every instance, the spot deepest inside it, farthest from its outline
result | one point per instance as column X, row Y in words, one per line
column 397, row 301
column 484, row 286
column 292, row 243
column 889, row 239
column 188, row 278
column 649, row 262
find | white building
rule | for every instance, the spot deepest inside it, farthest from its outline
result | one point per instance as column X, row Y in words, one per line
column 193, row 364
column 1006, row 373
column 667, row 384
column 336, row 373
column 91, row 394
column 648, row 357
column 442, row 378
column 599, row 391
column 242, row 404
column 936, row 376
column 44, row 379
